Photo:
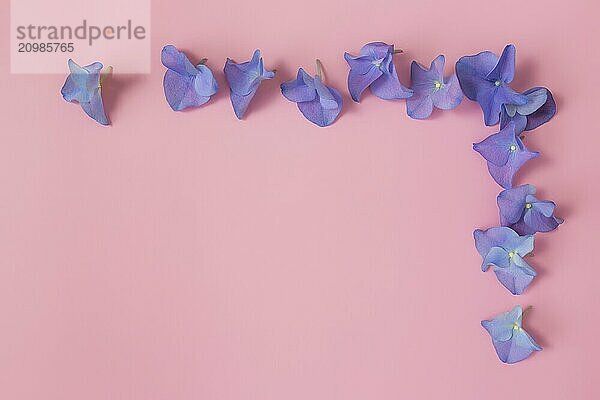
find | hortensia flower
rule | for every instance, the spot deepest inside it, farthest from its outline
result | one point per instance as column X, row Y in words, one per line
column 186, row 85
column 504, row 249
column 505, row 153
column 84, row 87
column 523, row 212
column 538, row 110
column 431, row 90
column 484, row 78
column 374, row 68
column 244, row 80
column 511, row 341
column 320, row 104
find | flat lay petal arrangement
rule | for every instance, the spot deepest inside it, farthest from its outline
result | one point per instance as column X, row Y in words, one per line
column 483, row 78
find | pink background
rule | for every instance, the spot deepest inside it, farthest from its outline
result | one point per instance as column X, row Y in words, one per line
column 194, row 256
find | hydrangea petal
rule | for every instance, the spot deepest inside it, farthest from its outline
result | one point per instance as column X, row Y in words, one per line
column 244, row 80
column 326, row 97
column 502, row 326
column 240, row 103
column 420, row 106
column 515, row 280
column 449, row 96
column 518, row 349
column 504, row 70
column 72, row 92
column 430, row 89
column 176, row 60
column 314, row 111
column 519, row 120
column 95, row 108
column 359, row 65
column 503, row 175
column 298, row 90
column 362, row 74
column 545, row 207
column 532, row 114
column 484, row 78
column 503, row 248
column 82, row 86
column 82, row 82
column 492, row 237
column 521, row 245
column 505, row 154
column 377, row 50
column 535, row 99
column 180, row 91
column 319, row 103
column 511, row 342
column 539, row 222
column 520, row 263
column 388, row 86
column 205, row 83
column 472, row 72
column 520, row 210
column 496, row 148
column 497, row 257
column 492, row 97
column 511, row 203
column 542, row 114
column 184, row 85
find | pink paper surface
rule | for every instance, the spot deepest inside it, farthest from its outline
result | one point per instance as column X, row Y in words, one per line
column 194, row 256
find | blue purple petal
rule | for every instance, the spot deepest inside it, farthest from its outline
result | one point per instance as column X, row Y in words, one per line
column 319, row 103
column 505, row 154
column 374, row 68
column 524, row 213
column 184, row 85
column 539, row 109
column 504, row 70
column 388, row 86
column 300, row 89
column 485, row 77
column 492, row 237
column 244, row 80
column 430, row 89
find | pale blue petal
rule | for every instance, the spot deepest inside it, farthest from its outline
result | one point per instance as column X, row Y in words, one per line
column 498, row 257
column 535, row 100
column 95, row 108
column 501, row 327
column 513, row 279
column 205, row 83
column 521, row 245
column 492, row 237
